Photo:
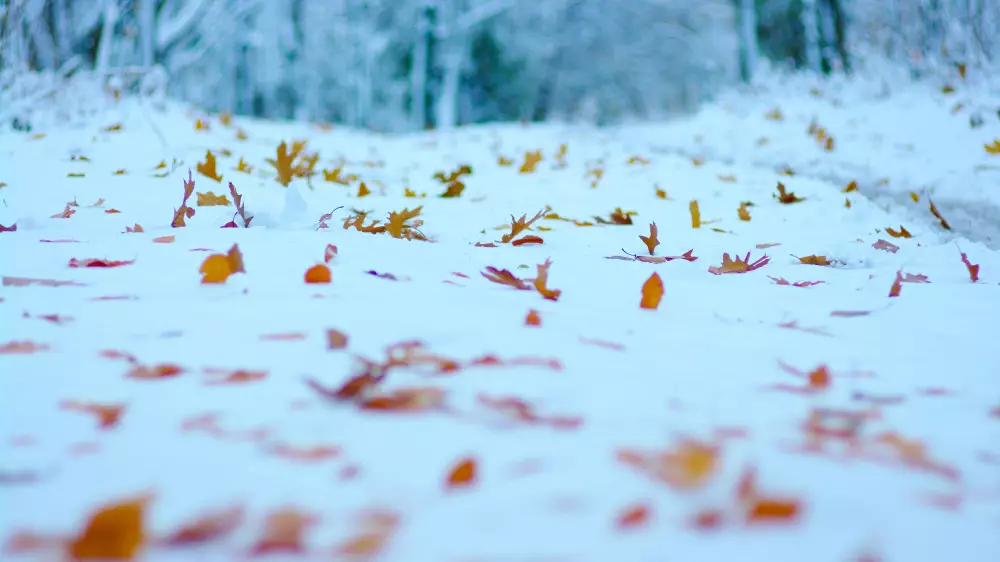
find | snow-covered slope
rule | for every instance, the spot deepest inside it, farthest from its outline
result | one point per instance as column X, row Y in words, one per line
column 741, row 418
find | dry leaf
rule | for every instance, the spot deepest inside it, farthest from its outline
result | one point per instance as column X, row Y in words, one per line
column 695, row 214
column 113, row 532
column 218, row 267
column 896, row 285
column 463, row 474
column 813, row 260
column 783, row 281
column 533, row 318
column 993, row 148
column 184, row 210
column 283, row 162
column 973, row 268
column 786, row 197
column 209, row 527
column 531, row 159
column 541, row 280
column 651, row 241
column 652, row 292
column 363, row 190
column 164, row 239
column 738, row 266
column 637, row 515
column 108, row 415
column 885, row 245
column 91, row 262
column 689, row 466
column 207, row 168
column 319, row 273
column 284, row 531
column 744, row 212
column 901, row 233
column 853, row 186
column 211, row 200
column 335, row 339
column 519, row 225
column 937, row 214
column 505, row 277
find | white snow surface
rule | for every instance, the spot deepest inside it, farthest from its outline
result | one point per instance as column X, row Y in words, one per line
column 919, row 370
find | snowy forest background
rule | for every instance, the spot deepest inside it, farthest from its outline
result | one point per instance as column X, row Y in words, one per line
column 398, row 65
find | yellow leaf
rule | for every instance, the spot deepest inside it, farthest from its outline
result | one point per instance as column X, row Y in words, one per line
column 915, row 197
column 652, row 292
column 207, row 168
column 211, row 200
column 200, row 125
column 363, row 190
column 744, row 212
column 993, row 148
column 695, row 214
column 531, row 159
column 225, row 118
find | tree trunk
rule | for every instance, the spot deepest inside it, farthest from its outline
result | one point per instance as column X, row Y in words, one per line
column 147, row 32
column 103, row 60
column 748, row 40
column 418, row 70
column 836, row 10
column 810, row 35
column 446, row 109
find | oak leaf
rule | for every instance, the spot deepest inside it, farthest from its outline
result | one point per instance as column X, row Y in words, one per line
column 505, row 277
column 211, row 200
column 651, row 241
column 739, row 265
column 113, row 532
column 813, row 260
column 184, row 210
column 786, row 198
column 652, row 292
column 207, row 168
column 283, row 162
column 901, row 233
column 519, row 225
column 973, row 268
column 218, row 267
column 463, row 474
column 531, row 159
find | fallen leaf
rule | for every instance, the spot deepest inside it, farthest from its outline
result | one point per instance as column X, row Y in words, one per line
column 304, row 454
column 853, row 186
column 744, row 212
column 164, row 239
column 284, row 531
column 531, row 159
column 813, row 260
column 738, row 266
column 27, row 281
column 901, row 233
column 90, row 262
column 695, row 214
column 377, row 527
column 218, row 267
column 937, row 214
column 108, row 415
column 184, row 211
column 114, row 531
column 158, row 371
column 533, row 318
column 650, row 241
column 915, row 278
column 652, row 292
column 134, row 228
column 993, row 148
column 519, row 225
column 637, row 515
column 505, row 277
column 319, row 273
column 238, row 376
column 885, row 245
column 207, row 168
column 11, row 228
column 65, row 214
column 973, row 268
column 786, row 198
column 783, row 281
column 363, row 190
column 211, row 200
column 896, row 285
column 688, row 466
column 463, row 474
column 541, row 280
column 207, row 528
column 22, row 347
column 335, row 339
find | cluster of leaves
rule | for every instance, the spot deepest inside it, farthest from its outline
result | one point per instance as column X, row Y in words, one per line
column 397, row 225
column 453, row 181
column 822, row 136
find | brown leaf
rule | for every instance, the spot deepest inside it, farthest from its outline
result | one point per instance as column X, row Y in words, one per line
column 541, row 280
column 937, row 214
column 650, row 241
column 901, row 233
column 113, row 532
column 240, row 208
column 533, row 318
column 813, row 260
column 463, row 474
column 108, row 415
column 207, row 168
column 519, row 225
column 896, row 285
column 853, row 186
column 284, row 531
column 783, row 281
column 739, row 265
column 22, row 347
column 184, row 211
column 207, row 528
column 531, row 159
column 744, row 212
column 211, row 200
column 688, row 466
column 652, row 292
column 335, row 339
column 786, row 198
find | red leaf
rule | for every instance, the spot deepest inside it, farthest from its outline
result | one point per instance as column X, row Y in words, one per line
column 885, row 245
column 330, row 253
column 527, row 240
column 634, row 516
column 73, row 262
column 209, row 527
column 11, row 228
column 896, row 285
column 973, row 268
column 108, row 415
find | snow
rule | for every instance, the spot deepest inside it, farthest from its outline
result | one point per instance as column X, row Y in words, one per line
column 702, row 366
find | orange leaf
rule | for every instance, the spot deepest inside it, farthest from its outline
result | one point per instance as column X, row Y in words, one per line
column 319, row 273
column 363, row 190
column 164, row 239
column 22, row 347
column 738, row 266
column 993, row 148
column 937, row 214
column 541, row 279
column 652, row 292
column 695, row 214
column 533, row 318
column 531, row 159
column 211, row 200
column 896, row 285
column 335, row 339
column 853, row 186
column 743, row 212
column 377, row 527
column 813, row 260
column 901, row 233
column 463, row 474
column 184, row 211
column 786, row 197
column 633, row 516
column 218, row 267
column 689, row 466
column 209, row 527
column 113, row 532
column 160, row 371
column 284, row 531
column 650, row 241
column 973, row 268
column 207, row 168
column 108, row 415
column 238, row 376
column 418, row 399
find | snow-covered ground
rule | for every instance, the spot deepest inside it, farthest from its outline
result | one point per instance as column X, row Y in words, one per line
column 742, row 418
